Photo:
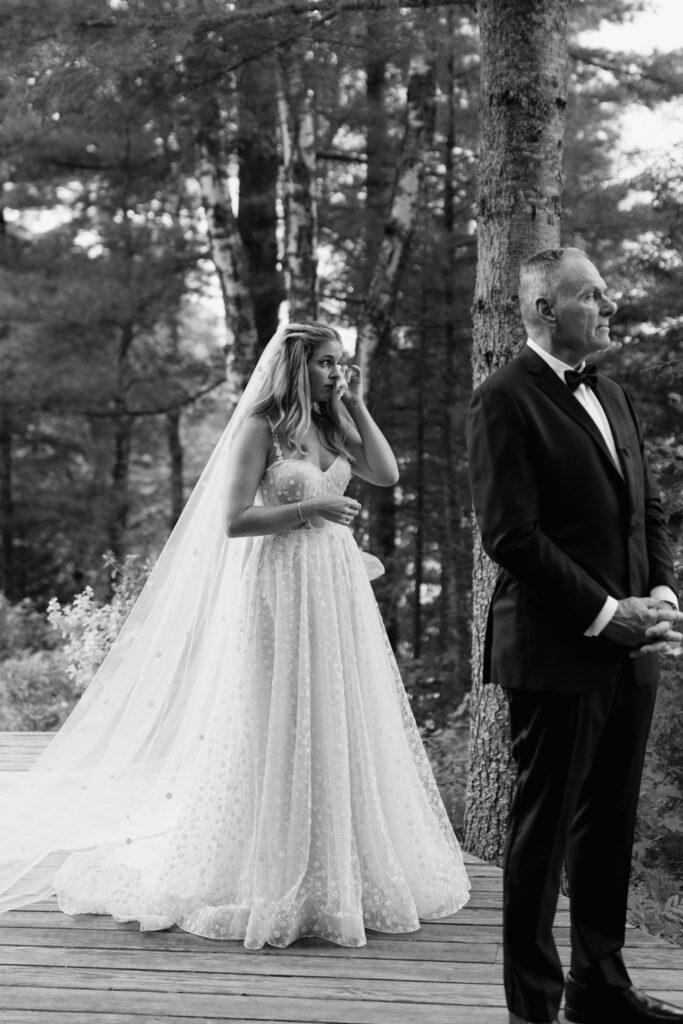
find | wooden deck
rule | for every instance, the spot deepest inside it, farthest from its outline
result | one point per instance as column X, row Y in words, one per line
column 91, row 970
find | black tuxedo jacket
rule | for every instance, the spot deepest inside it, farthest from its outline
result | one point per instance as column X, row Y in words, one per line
column 562, row 524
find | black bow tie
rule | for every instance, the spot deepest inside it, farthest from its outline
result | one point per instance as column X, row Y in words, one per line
column 588, row 376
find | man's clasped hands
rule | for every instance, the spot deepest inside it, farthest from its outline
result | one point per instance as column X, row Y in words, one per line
column 645, row 624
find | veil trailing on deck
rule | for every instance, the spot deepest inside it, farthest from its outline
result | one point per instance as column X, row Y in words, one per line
column 119, row 766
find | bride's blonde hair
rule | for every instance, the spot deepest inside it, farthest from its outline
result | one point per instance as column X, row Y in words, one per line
column 286, row 395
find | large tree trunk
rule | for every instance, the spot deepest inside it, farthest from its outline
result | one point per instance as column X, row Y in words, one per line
column 297, row 128
column 522, row 116
column 375, row 320
column 258, row 173
column 6, row 506
column 228, row 254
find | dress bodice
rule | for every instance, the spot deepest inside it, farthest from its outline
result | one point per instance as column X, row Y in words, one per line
column 288, row 480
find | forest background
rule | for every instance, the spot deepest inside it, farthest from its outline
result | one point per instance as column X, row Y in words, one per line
column 177, row 174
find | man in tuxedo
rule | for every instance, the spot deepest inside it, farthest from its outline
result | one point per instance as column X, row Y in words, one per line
column 585, row 597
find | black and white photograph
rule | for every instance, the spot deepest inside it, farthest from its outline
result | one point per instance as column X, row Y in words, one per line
column 341, row 511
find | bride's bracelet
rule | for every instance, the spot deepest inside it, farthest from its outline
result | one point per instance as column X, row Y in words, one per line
column 304, row 521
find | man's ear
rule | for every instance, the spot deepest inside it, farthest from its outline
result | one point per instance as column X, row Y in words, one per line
column 545, row 311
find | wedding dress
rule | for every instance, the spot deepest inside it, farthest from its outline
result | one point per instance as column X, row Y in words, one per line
column 294, row 796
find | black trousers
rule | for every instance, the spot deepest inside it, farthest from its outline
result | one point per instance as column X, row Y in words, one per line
column 579, row 758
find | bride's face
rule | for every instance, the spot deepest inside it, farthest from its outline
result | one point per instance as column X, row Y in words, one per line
column 324, row 370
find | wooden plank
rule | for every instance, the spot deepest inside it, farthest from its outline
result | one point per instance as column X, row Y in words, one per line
column 63, row 923
column 39, row 1017
column 486, row 901
column 468, row 1015
column 170, row 1005
column 468, row 923
column 469, row 915
column 660, row 956
column 280, row 987
column 185, row 943
column 469, row 933
column 291, row 966
column 660, row 979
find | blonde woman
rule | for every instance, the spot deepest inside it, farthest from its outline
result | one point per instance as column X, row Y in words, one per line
column 299, row 800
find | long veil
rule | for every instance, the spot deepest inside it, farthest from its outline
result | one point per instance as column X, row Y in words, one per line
column 118, row 767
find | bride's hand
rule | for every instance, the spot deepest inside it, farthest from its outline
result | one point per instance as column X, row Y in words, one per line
column 350, row 389
column 337, row 508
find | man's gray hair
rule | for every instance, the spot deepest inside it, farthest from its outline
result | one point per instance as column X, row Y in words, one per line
column 538, row 277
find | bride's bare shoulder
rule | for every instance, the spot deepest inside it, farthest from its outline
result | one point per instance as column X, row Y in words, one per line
column 254, row 434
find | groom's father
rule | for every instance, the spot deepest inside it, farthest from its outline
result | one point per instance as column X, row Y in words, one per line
column 585, row 597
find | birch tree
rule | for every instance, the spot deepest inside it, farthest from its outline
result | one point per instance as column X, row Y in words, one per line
column 375, row 321
column 297, row 130
column 228, row 255
column 524, row 66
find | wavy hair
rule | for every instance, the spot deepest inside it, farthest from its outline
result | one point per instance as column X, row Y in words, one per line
column 286, row 394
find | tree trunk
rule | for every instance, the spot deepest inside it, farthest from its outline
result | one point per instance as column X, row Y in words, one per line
column 297, row 129
column 456, row 545
column 380, row 166
column 383, row 514
column 6, row 506
column 123, row 432
column 175, row 451
column 228, row 255
column 381, row 501
column 420, row 482
column 258, row 173
column 523, row 100
column 448, row 575
column 375, row 319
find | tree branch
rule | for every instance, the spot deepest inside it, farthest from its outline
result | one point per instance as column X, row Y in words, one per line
column 126, row 413
column 619, row 63
column 277, row 8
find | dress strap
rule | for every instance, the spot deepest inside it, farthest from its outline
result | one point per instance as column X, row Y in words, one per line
column 276, row 440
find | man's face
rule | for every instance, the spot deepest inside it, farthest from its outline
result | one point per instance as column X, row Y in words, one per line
column 582, row 310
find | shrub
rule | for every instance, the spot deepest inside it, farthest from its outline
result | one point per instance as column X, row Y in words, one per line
column 23, row 628
column 656, row 896
column 36, row 692
column 87, row 628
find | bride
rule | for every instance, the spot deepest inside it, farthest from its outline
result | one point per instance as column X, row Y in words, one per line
column 245, row 763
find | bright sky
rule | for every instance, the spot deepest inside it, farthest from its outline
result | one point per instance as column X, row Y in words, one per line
column 653, row 133
column 660, row 27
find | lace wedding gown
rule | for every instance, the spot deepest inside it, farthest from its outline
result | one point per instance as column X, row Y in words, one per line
column 311, row 808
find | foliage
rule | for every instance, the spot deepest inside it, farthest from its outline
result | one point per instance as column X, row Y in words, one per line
column 88, row 629
column 41, row 679
column 656, row 901
column 447, row 751
column 22, row 628
column 36, row 692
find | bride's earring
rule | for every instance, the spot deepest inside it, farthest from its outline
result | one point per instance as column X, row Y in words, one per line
column 316, row 408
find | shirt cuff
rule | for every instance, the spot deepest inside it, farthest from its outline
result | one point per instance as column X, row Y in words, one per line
column 605, row 615
column 664, row 593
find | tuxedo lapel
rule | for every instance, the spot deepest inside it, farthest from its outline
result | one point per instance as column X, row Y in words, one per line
column 548, row 381
column 622, row 426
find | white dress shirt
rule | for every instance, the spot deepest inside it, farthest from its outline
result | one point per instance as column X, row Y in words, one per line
column 589, row 400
